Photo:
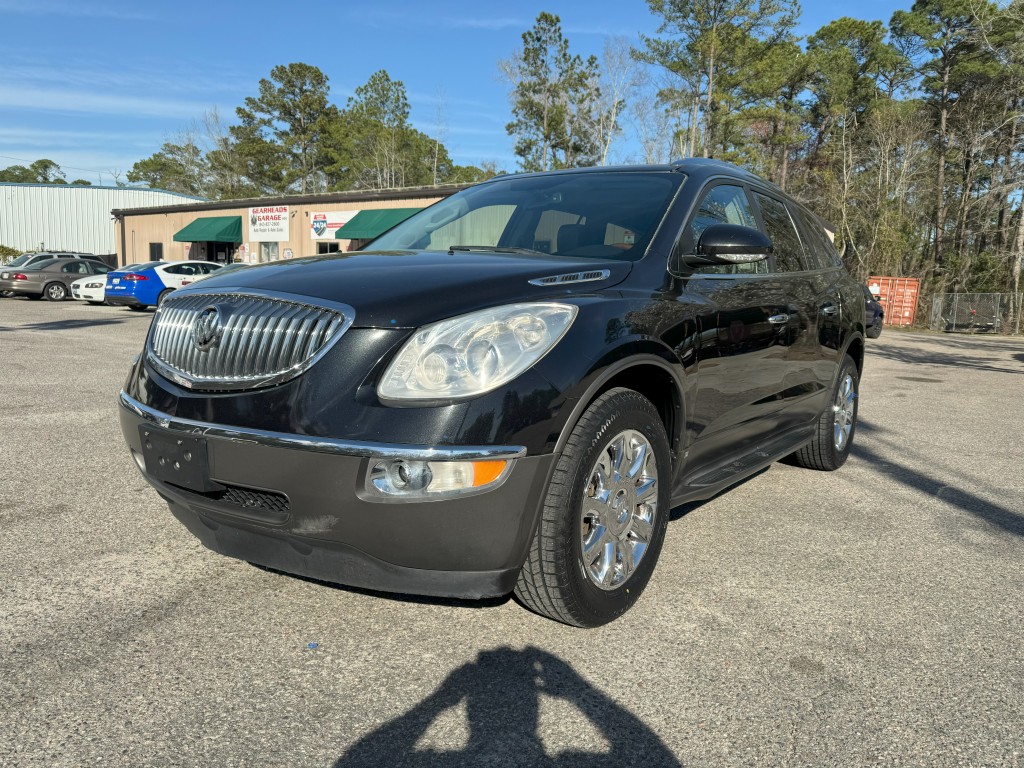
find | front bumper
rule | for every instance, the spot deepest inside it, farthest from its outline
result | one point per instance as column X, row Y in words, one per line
column 87, row 294
column 297, row 504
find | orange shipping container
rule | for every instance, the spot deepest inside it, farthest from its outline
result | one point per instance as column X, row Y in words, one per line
column 898, row 296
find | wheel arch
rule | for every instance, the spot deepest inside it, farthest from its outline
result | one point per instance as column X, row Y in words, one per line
column 644, row 372
column 855, row 349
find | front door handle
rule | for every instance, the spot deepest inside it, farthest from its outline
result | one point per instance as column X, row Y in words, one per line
column 830, row 309
column 778, row 319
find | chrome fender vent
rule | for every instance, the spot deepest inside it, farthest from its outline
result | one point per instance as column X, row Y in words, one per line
column 241, row 340
column 573, row 277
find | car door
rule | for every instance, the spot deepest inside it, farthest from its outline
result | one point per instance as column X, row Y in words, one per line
column 72, row 270
column 829, row 301
column 745, row 330
column 175, row 275
column 807, row 296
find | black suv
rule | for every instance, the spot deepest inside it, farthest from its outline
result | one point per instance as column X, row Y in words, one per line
column 510, row 390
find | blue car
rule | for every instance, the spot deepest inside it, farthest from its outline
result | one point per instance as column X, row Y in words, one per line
column 874, row 314
column 139, row 286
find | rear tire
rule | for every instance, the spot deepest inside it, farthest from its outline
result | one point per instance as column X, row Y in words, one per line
column 604, row 516
column 874, row 331
column 55, row 292
column 830, row 447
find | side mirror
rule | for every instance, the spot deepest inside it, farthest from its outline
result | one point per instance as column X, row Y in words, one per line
column 729, row 244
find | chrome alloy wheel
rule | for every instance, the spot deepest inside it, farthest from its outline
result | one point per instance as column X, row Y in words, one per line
column 56, row 292
column 619, row 505
column 844, row 409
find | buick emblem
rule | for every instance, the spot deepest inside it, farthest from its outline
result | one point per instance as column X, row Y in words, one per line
column 207, row 328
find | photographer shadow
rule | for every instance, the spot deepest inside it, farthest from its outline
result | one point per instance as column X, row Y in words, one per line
column 501, row 691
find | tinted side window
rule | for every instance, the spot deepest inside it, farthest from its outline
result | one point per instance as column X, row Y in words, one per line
column 724, row 204
column 780, row 228
column 819, row 255
column 100, row 269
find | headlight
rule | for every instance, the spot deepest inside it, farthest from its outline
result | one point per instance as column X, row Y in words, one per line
column 474, row 353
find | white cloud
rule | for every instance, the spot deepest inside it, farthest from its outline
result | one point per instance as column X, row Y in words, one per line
column 392, row 19
column 75, row 73
column 63, row 100
column 77, row 9
column 40, row 137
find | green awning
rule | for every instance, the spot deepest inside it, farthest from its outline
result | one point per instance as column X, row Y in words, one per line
column 215, row 229
column 366, row 225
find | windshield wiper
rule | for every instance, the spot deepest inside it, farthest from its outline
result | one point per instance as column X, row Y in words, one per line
column 494, row 249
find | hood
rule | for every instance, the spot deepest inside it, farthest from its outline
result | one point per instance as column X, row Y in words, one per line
column 391, row 289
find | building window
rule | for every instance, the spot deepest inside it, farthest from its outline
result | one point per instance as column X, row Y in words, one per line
column 156, row 251
column 268, row 252
column 329, row 247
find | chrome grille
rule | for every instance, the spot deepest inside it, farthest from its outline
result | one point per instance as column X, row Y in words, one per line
column 233, row 340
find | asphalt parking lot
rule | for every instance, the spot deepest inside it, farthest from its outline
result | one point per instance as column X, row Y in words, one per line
column 869, row 616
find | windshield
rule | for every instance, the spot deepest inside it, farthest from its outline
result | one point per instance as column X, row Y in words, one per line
column 20, row 260
column 593, row 215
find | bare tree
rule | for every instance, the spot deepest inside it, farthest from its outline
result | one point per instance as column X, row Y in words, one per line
column 652, row 120
column 618, row 78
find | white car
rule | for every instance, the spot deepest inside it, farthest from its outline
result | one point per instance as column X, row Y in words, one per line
column 91, row 288
column 176, row 274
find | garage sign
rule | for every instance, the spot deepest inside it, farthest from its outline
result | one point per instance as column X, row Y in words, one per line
column 268, row 223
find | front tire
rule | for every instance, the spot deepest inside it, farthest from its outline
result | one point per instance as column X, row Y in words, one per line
column 604, row 516
column 830, row 446
column 55, row 292
column 875, row 330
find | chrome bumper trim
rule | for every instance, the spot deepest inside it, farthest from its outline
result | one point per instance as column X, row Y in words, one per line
column 366, row 450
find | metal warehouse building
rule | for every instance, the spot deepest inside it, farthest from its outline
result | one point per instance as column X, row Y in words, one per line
column 264, row 228
column 70, row 217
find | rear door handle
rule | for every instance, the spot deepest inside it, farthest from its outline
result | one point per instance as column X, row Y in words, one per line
column 778, row 319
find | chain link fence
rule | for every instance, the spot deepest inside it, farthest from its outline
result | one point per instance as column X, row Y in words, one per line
column 977, row 313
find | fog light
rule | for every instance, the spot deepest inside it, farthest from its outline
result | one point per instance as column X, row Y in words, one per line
column 403, row 479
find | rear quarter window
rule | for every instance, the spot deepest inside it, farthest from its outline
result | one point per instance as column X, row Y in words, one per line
column 819, row 243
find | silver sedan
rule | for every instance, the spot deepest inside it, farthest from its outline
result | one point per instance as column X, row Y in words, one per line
column 49, row 279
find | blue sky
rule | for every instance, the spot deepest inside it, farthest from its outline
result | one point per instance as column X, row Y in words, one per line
column 95, row 86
